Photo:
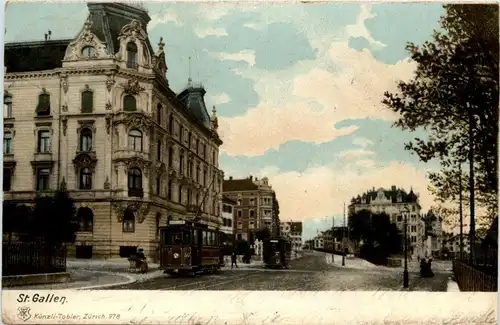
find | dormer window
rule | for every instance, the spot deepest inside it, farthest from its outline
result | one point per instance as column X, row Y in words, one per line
column 88, row 52
column 131, row 55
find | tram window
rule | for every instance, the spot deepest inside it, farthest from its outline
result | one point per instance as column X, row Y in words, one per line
column 175, row 238
column 204, row 242
column 195, row 236
column 187, row 237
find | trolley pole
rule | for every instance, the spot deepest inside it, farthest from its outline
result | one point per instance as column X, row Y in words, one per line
column 343, row 240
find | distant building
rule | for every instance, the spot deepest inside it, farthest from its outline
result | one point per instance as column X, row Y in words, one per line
column 256, row 206
column 319, row 242
column 227, row 216
column 393, row 202
column 292, row 231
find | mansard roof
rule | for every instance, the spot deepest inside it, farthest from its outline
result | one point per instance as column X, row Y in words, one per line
column 193, row 99
column 391, row 194
column 233, row 185
column 35, row 55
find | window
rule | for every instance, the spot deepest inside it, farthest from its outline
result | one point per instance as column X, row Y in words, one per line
column 239, row 213
column 87, row 101
column 188, row 196
column 197, row 173
column 7, row 142
column 169, row 193
column 181, row 134
column 42, row 179
column 413, row 208
column 158, row 150
column 86, row 218
column 85, row 179
column 43, row 107
column 204, row 152
column 7, row 179
column 158, row 185
column 214, row 158
column 158, row 114
column 157, row 225
column 43, row 141
column 239, row 201
column 86, row 140
column 197, row 145
column 189, row 140
column 251, row 213
column 135, row 182
column 181, row 163
column 7, row 106
column 128, row 223
column 180, row 194
column 129, row 103
column 135, row 140
column 170, row 124
column 190, row 168
column 400, row 218
column 131, row 55
column 205, row 177
column 252, row 201
column 170, row 156
column 88, row 51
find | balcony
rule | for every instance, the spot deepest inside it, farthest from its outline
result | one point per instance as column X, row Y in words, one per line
column 136, row 192
column 42, row 157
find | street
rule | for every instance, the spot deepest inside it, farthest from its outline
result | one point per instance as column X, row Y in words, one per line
column 309, row 273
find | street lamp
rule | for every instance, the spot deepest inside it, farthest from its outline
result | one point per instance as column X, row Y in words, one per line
column 406, row 211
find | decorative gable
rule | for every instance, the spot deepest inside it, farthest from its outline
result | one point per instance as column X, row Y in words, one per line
column 134, row 33
column 86, row 46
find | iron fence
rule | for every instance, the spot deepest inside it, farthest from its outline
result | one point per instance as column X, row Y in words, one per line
column 32, row 258
column 474, row 277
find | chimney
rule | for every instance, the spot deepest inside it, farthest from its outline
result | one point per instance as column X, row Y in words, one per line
column 50, row 34
column 46, row 37
column 393, row 187
column 230, row 178
column 251, row 177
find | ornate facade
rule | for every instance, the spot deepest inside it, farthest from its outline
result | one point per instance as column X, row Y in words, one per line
column 95, row 115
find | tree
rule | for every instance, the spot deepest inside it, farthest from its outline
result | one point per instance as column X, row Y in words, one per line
column 263, row 233
column 456, row 87
column 16, row 219
column 54, row 219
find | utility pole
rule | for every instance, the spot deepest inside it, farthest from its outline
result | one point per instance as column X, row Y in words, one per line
column 343, row 239
column 333, row 242
column 460, row 211
column 472, row 230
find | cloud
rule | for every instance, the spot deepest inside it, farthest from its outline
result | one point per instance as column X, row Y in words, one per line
column 321, row 191
column 359, row 29
column 219, row 99
column 210, row 31
column 306, row 101
column 243, row 55
column 355, row 153
column 365, row 163
column 362, row 142
column 164, row 17
column 212, row 12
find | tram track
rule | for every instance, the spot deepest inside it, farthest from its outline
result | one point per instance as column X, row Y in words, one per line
column 221, row 280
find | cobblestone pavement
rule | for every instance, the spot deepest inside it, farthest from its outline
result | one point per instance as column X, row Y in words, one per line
column 311, row 272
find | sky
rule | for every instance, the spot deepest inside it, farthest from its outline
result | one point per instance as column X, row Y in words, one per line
column 297, row 87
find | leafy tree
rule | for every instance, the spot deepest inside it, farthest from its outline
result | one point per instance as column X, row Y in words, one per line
column 16, row 219
column 456, row 87
column 54, row 219
column 263, row 233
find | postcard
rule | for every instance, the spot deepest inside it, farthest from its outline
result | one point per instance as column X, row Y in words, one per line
column 250, row 163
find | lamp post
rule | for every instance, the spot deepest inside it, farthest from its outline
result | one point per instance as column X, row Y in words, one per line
column 343, row 240
column 405, row 224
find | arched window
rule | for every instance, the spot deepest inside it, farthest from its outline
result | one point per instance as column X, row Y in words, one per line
column 135, row 140
column 129, row 103
column 43, row 107
column 169, row 194
column 87, row 101
column 128, row 222
column 86, row 218
column 7, row 106
column 135, row 182
column 88, row 51
column 170, row 156
column 159, row 114
column 86, row 140
column 85, row 179
column 132, row 55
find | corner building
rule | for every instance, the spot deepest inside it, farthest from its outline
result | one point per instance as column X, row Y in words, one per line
column 95, row 115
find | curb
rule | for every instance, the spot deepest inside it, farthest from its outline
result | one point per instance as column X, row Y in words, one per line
column 100, row 286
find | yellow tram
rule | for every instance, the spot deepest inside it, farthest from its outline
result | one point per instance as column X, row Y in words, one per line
column 188, row 247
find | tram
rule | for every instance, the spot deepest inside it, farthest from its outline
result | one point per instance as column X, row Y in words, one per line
column 276, row 252
column 190, row 248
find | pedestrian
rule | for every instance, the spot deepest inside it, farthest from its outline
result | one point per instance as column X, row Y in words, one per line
column 233, row 260
column 142, row 262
